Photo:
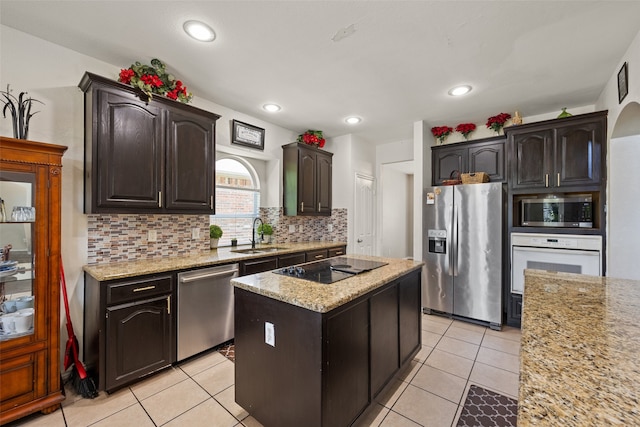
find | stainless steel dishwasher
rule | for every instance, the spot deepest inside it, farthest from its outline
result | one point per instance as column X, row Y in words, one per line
column 205, row 309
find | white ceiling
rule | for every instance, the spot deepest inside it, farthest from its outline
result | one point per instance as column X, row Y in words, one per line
column 395, row 69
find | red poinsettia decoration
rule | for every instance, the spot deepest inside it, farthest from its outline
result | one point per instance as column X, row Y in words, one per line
column 441, row 132
column 154, row 79
column 312, row 137
column 465, row 129
column 497, row 122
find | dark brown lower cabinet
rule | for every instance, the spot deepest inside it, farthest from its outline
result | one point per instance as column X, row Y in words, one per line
column 291, row 259
column 258, row 265
column 129, row 328
column 139, row 340
column 325, row 368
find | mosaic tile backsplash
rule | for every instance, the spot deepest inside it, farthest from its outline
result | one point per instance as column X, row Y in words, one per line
column 123, row 237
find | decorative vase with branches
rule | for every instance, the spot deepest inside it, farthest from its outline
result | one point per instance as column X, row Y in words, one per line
column 20, row 109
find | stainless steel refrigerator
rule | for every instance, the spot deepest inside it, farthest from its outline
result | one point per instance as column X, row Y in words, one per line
column 462, row 250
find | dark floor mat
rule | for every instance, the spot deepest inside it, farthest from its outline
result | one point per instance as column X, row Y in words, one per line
column 228, row 351
column 484, row 408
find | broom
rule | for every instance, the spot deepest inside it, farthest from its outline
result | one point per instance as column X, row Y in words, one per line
column 82, row 383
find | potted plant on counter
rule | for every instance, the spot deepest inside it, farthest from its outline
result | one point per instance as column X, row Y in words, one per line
column 266, row 230
column 215, row 233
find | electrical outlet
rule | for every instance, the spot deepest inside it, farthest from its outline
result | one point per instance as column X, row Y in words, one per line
column 330, row 228
column 195, row 233
column 152, row 236
column 269, row 334
column 301, row 228
column 292, row 228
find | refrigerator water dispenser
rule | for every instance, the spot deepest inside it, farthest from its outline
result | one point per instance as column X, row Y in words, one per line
column 437, row 241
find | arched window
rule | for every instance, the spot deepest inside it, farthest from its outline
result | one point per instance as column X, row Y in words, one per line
column 237, row 199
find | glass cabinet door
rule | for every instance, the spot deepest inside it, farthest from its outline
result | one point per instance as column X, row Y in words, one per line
column 17, row 272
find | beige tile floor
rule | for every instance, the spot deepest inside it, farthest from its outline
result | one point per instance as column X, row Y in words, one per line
column 200, row 392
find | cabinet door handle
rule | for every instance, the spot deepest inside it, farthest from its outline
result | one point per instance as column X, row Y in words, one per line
column 169, row 304
column 558, row 179
column 159, row 199
column 318, row 206
column 211, row 203
column 546, row 180
column 301, row 206
column 146, row 288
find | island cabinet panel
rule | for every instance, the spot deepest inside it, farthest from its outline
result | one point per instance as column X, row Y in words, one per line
column 324, row 368
column 346, row 382
column 385, row 357
column 410, row 315
column 279, row 385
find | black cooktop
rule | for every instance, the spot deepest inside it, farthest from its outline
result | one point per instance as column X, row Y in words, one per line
column 330, row 270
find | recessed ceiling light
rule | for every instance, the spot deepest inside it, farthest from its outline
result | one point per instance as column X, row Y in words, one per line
column 460, row 90
column 199, row 31
column 272, row 108
column 353, row 120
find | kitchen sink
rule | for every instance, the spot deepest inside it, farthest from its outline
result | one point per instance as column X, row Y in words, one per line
column 256, row 250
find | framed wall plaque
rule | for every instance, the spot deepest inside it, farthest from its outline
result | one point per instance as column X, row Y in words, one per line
column 247, row 135
column 623, row 82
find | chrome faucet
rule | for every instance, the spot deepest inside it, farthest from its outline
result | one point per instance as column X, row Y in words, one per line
column 253, row 233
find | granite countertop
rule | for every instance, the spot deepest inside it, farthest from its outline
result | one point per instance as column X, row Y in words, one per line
column 579, row 363
column 224, row 255
column 325, row 297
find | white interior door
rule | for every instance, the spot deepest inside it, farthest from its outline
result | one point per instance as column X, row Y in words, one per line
column 363, row 215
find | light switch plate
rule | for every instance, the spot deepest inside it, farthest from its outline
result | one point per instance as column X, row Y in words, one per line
column 152, row 236
column 292, row 228
column 269, row 334
column 195, row 233
column 301, row 228
column 330, row 228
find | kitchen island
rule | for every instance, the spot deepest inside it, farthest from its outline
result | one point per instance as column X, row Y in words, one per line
column 317, row 354
column 579, row 361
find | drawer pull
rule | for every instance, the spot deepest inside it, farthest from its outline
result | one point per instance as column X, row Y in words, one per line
column 146, row 288
column 319, row 256
column 338, row 252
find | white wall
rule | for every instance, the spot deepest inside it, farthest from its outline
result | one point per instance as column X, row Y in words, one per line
column 351, row 155
column 624, row 194
column 396, row 195
column 608, row 100
column 51, row 73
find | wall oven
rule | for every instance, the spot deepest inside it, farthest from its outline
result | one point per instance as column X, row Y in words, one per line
column 566, row 253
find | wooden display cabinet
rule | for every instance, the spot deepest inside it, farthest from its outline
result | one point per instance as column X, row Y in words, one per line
column 30, row 187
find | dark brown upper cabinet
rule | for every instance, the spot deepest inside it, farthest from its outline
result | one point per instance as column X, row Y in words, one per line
column 482, row 155
column 146, row 155
column 307, row 180
column 558, row 154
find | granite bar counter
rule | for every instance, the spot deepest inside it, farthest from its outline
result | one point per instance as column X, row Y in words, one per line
column 322, row 297
column 223, row 255
column 579, row 361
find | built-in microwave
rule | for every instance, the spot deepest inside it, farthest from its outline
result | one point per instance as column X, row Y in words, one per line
column 549, row 211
